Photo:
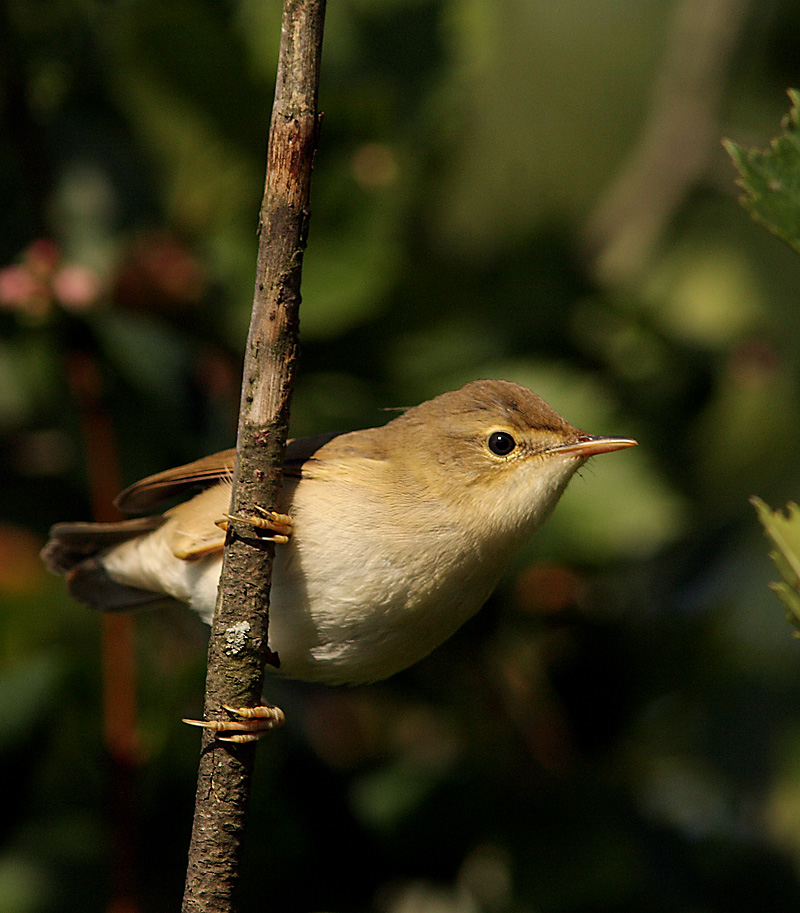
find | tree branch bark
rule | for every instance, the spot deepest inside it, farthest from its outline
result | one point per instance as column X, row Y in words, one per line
column 238, row 648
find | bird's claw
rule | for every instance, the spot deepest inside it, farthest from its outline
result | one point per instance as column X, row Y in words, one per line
column 253, row 722
column 280, row 525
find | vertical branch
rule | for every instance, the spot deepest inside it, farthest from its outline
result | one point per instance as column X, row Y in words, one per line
column 236, row 664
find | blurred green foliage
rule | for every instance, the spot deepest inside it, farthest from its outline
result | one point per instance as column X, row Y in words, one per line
column 618, row 730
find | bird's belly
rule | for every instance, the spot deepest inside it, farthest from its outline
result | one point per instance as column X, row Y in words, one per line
column 356, row 641
column 337, row 630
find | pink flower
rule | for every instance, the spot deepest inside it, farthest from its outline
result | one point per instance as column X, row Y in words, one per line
column 21, row 290
column 35, row 285
column 76, row 288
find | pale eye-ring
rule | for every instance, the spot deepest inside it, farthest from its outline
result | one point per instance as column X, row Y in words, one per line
column 501, row 443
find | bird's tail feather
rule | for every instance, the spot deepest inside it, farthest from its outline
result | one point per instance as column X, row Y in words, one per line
column 73, row 550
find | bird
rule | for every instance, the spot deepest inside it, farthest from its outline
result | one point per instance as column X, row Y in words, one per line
column 387, row 539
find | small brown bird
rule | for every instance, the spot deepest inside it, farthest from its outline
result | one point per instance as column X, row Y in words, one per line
column 397, row 535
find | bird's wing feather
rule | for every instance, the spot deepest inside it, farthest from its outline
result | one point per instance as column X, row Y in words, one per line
column 147, row 493
column 150, row 492
column 191, row 531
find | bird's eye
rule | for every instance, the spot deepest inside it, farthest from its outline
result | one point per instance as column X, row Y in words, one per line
column 501, row 443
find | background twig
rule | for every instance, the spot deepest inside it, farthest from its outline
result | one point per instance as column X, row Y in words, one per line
column 679, row 138
column 237, row 677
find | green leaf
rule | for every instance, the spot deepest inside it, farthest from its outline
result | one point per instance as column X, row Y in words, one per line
column 783, row 528
column 771, row 179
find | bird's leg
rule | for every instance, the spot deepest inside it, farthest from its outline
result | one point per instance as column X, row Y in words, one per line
column 253, row 723
column 280, row 525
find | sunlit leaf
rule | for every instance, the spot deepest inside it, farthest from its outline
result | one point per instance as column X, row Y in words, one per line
column 771, row 179
column 783, row 528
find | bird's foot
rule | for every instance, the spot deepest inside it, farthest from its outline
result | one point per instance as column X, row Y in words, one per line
column 280, row 525
column 253, row 722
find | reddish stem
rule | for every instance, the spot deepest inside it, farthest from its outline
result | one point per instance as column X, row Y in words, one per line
column 117, row 644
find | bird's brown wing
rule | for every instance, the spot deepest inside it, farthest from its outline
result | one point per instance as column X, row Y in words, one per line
column 302, row 451
column 150, row 492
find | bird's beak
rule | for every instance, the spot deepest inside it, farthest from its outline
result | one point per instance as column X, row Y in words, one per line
column 589, row 445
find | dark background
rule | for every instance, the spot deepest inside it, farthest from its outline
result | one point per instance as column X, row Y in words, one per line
column 504, row 188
